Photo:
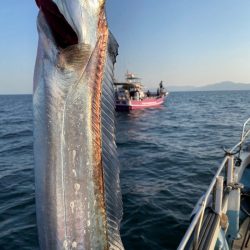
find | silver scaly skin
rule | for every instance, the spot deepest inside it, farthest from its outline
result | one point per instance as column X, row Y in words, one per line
column 78, row 198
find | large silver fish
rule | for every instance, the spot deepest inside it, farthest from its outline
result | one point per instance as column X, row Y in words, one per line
column 78, row 198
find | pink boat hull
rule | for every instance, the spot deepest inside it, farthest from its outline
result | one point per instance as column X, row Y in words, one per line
column 140, row 104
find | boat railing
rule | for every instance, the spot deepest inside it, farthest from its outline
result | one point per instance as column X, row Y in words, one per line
column 225, row 174
column 245, row 133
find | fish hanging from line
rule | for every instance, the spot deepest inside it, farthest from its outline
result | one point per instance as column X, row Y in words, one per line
column 78, row 196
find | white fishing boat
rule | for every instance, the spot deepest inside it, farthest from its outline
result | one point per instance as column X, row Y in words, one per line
column 221, row 218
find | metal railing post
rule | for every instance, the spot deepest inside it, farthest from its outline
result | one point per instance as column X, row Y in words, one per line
column 218, row 195
column 230, row 170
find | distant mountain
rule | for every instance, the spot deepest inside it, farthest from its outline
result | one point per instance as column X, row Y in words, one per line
column 221, row 86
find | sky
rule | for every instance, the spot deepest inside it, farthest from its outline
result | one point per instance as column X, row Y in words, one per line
column 182, row 42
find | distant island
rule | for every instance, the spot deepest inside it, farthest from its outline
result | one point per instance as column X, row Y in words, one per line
column 221, row 86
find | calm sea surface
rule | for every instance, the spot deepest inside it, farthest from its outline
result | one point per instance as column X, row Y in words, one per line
column 168, row 156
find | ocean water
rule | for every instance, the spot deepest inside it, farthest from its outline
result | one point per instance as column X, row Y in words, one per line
column 168, row 156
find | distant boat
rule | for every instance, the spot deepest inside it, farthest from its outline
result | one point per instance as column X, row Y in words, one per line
column 221, row 218
column 130, row 95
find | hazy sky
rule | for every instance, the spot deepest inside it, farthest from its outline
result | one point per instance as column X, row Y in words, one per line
column 179, row 41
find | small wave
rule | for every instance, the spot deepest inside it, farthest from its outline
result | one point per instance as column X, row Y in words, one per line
column 17, row 134
column 17, row 148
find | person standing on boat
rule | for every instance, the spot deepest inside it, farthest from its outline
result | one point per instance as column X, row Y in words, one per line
column 162, row 91
column 161, row 85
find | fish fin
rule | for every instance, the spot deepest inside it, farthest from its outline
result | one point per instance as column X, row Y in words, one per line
column 111, row 168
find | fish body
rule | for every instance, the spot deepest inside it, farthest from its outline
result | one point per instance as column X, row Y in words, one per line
column 78, row 197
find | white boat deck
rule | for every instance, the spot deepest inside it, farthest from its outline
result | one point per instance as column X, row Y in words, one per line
column 244, row 237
